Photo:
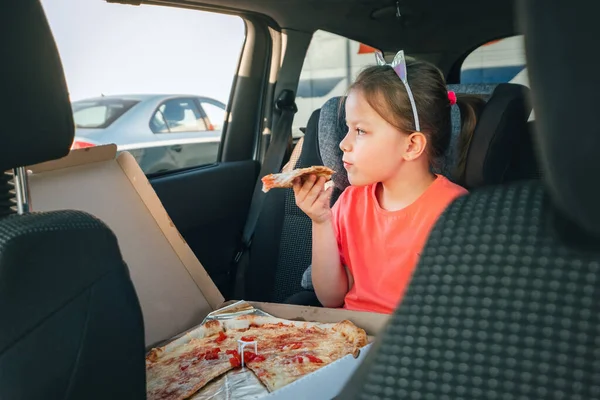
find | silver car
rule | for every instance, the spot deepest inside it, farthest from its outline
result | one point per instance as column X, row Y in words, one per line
column 163, row 132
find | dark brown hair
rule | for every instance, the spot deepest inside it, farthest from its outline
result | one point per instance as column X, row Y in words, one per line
column 386, row 94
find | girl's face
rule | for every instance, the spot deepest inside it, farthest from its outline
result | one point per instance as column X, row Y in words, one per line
column 374, row 150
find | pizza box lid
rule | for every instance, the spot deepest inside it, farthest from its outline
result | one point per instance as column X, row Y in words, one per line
column 174, row 289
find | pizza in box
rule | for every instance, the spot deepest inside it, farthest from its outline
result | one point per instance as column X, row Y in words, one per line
column 277, row 351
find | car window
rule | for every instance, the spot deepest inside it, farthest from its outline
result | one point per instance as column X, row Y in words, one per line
column 99, row 114
column 498, row 61
column 150, row 55
column 331, row 64
column 215, row 114
column 178, row 115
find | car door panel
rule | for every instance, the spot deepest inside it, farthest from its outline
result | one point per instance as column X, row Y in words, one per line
column 209, row 205
column 171, row 157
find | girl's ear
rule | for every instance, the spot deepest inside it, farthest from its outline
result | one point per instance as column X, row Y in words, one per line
column 416, row 143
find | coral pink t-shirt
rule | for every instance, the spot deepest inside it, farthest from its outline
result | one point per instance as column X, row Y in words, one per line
column 381, row 248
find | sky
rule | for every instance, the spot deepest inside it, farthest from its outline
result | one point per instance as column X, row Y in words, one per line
column 122, row 49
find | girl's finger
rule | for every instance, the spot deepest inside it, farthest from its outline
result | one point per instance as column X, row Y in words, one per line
column 306, row 187
column 314, row 192
column 324, row 198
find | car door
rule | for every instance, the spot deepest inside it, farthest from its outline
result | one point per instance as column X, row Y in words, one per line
column 182, row 137
column 209, row 202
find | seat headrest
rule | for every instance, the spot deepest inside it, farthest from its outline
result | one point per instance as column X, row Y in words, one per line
column 37, row 121
column 564, row 82
column 501, row 124
column 174, row 112
column 332, row 129
column 484, row 90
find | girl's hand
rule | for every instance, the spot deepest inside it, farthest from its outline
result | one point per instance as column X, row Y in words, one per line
column 312, row 198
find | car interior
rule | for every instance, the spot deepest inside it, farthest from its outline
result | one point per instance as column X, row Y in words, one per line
column 504, row 302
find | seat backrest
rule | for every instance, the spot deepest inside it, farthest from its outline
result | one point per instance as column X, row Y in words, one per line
column 70, row 322
column 501, row 148
column 504, row 302
column 500, row 129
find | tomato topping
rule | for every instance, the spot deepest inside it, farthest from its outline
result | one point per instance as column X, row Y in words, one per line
column 314, row 359
column 236, row 359
column 184, row 367
column 212, row 354
column 235, row 362
column 248, row 338
column 299, row 359
column 258, row 358
column 249, row 356
column 221, row 337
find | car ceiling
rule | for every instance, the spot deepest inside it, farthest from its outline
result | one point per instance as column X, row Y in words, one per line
column 425, row 26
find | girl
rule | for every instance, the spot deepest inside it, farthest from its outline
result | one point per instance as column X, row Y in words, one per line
column 366, row 248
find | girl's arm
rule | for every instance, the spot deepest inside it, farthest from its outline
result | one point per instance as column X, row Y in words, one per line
column 329, row 277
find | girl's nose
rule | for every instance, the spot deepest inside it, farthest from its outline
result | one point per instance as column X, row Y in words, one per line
column 345, row 144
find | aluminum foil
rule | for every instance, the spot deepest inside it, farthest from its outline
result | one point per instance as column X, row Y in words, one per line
column 237, row 384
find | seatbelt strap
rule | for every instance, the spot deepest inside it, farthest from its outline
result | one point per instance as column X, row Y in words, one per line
column 281, row 135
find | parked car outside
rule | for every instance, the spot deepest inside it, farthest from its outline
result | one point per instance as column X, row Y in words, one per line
column 163, row 132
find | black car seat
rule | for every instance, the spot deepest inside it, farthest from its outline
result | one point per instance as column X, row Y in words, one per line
column 70, row 322
column 504, row 303
column 501, row 138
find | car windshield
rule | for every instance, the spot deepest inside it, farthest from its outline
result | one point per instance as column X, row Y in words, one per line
column 99, row 114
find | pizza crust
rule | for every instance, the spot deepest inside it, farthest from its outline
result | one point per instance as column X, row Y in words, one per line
column 286, row 179
column 245, row 321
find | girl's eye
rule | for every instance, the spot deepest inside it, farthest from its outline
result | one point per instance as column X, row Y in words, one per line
column 360, row 132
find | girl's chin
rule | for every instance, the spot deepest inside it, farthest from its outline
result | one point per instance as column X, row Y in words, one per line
column 359, row 180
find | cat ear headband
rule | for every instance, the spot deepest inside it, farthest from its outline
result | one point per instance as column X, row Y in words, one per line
column 399, row 67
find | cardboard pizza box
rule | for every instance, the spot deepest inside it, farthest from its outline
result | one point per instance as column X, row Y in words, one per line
column 175, row 291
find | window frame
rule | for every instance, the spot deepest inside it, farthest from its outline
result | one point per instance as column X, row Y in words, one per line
column 212, row 102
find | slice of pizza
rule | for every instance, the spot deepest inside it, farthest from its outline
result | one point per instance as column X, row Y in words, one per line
column 181, row 368
column 286, row 179
column 289, row 350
